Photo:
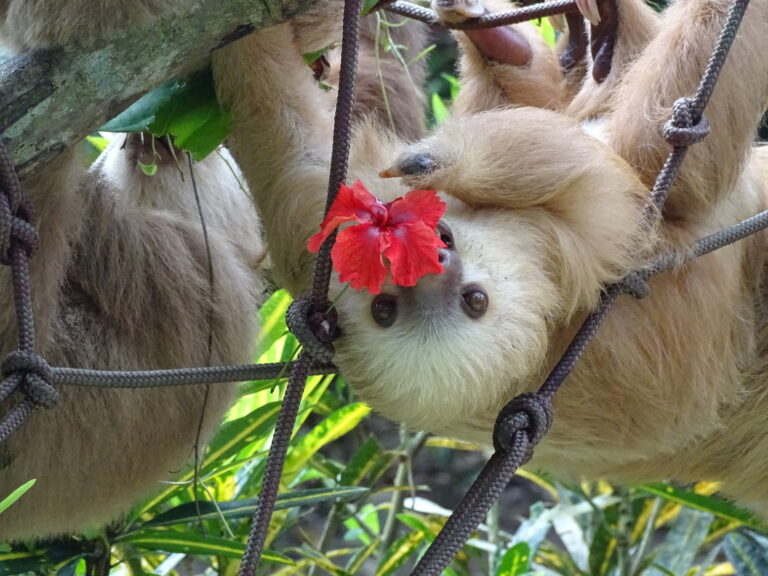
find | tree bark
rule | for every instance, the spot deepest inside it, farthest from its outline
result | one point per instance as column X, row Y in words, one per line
column 49, row 100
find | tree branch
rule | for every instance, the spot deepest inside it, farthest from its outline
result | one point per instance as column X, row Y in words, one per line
column 49, row 100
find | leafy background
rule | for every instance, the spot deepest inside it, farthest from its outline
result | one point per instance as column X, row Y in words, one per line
column 359, row 495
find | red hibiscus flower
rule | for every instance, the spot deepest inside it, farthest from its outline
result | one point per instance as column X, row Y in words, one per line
column 400, row 233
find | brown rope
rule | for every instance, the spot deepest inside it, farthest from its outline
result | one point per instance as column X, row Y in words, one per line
column 521, row 424
column 310, row 311
column 22, row 370
column 515, row 16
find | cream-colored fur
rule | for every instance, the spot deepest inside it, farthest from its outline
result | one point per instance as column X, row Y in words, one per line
column 543, row 214
column 121, row 282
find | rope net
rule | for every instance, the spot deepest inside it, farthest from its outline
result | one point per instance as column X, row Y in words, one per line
column 521, row 424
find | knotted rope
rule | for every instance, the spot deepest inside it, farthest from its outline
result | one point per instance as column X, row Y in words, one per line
column 520, row 425
column 22, row 370
column 311, row 317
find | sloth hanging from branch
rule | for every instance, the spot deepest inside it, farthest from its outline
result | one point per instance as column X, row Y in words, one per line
column 545, row 175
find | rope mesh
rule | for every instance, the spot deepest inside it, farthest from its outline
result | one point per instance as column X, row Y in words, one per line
column 521, row 424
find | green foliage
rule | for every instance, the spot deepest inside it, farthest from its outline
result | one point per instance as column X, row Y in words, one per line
column 342, row 508
column 8, row 501
column 588, row 529
column 186, row 110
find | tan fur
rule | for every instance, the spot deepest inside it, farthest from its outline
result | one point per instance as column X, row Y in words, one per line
column 543, row 213
column 121, row 282
column 385, row 88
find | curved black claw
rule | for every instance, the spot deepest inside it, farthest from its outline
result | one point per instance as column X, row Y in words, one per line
column 576, row 49
column 604, row 39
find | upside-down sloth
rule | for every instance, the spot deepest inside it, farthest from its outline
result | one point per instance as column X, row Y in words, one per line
column 121, row 282
column 545, row 177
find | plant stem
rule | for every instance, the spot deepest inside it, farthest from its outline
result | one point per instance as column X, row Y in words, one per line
column 409, row 447
column 645, row 540
column 493, row 538
column 328, row 531
column 623, row 532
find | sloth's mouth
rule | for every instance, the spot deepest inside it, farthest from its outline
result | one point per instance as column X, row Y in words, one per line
column 435, row 293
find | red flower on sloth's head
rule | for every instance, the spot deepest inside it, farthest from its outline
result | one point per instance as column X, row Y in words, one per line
column 401, row 231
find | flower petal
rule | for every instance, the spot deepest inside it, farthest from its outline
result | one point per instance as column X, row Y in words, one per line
column 413, row 252
column 417, row 206
column 356, row 256
column 352, row 203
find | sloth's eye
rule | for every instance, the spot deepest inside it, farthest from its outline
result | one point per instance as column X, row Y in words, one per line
column 474, row 301
column 444, row 231
column 384, row 310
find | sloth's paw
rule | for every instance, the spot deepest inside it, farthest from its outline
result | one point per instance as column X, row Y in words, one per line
column 452, row 11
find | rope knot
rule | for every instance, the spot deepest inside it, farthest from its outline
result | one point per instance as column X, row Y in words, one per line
column 30, row 373
column 635, row 284
column 686, row 127
column 529, row 413
column 314, row 329
column 16, row 228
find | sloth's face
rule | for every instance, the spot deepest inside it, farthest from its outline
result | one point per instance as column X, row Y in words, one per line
column 445, row 354
column 535, row 225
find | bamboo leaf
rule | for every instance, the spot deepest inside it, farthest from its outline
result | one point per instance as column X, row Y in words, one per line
column 717, row 506
column 361, row 463
column 194, row 511
column 515, row 561
column 333, row 427
column 9, row 500
column 399, row 552
column 679, row 549
column 748, row 556
column 194, row 543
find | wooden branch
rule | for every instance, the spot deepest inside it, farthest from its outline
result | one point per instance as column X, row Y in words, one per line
column 50, row 100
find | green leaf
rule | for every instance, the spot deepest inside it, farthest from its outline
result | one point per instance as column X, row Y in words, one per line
column 748, row 556
column 185, row 109
column 230, row 440
column 141, row 114
column 148, row 169
column 356, row 562
column 310, row 57
column 712, row 504
column 194, row 543
column 515, row 561
column 9, row 500
column 681, row 545
column 368, row 5
column 417, row 524
column 361, row 463
column 369, row 517
column 205, row 138
column 237, row 435
column 454, row 83
column 333, row 427
column 399, row 552
column 439, row 109
column 43, row 560
column 601, row 550
column 272, row 319
column 188, row 512
column 547, row 31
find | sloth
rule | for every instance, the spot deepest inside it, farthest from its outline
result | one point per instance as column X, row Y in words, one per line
column 545, row 176
column 121, row 282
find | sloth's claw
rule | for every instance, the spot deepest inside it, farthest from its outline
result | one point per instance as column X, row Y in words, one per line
column 419, row 164
column 590, row 11
column 457, row 10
